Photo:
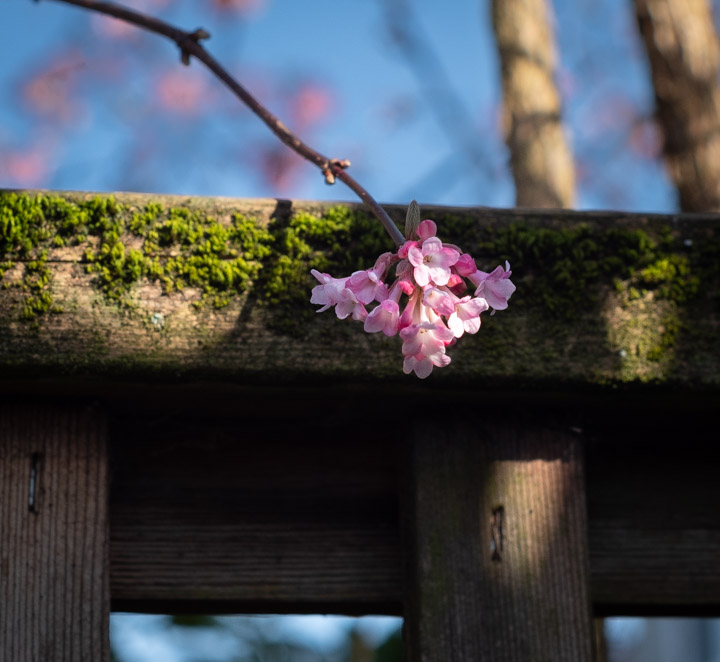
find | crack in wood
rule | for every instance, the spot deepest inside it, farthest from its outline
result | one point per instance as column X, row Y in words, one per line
column 35, row 459
column 496, row 533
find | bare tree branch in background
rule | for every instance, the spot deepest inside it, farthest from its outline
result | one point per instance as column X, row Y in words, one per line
column 684, row 55
column 190, row 46
column 540, row 156
column 437, row 90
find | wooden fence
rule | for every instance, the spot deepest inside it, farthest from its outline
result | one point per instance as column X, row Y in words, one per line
column 179, row 432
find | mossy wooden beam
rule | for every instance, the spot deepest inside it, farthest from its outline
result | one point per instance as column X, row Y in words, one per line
column 134, row 285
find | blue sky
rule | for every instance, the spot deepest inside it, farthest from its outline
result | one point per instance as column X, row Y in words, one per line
column 147, row 638
column 382, row 114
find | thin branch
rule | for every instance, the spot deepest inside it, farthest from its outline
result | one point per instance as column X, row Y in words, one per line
column 189, row 45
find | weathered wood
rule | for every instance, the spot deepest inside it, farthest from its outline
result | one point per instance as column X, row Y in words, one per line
column 54, row 586
column 654, row 508
column 496, row 542
column 253, row 511
column 602, row 299
column 253, row 514
column 254, row 446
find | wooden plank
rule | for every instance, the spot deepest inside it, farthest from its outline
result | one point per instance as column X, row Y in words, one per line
column 603, row 298
column 253, row 514
column 267, row 514
column 54, row 588
column 654, row 509
column 496, row 540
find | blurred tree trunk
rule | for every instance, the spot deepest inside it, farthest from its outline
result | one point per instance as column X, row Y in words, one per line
column 540, row 157
column 682, row 47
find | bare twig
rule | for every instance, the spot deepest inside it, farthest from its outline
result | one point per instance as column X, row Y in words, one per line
column 189, row 45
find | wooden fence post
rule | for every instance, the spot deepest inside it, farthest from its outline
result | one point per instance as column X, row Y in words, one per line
column 54, row 580
column 496, row 545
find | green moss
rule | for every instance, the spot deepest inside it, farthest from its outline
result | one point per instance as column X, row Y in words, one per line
column 339, row 241
column 25, row 232
column 668, row 334
column 218, row 260
column 586, row 291
column 566, row 273
column 176, row 247
column 672, row 277
column 32, row 225
column 560, row 270
column 566, row 266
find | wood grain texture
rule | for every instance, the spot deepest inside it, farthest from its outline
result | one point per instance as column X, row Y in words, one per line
column 654, row 513
column 260, row 512
column 253, row 514
column 496, row 540
column 54, row 588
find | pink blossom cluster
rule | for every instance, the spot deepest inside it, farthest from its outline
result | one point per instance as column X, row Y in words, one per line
column 438, row 309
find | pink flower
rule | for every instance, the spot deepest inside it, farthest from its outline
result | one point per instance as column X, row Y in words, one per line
column 406, row 286
column 411, row 313
column 465, row 266
column 333, row 292
column 350, row 306
column 427, row 229
column 424, row 347
column 434, row 278
column 405, row 248
column 329, row 292
column 367, row 286
column 456, row 281
column 383, row 318
column 426, row 338
column 432, row 262
column 442, row 302
column 496, row 287
column 466, row 317
column 422, row 365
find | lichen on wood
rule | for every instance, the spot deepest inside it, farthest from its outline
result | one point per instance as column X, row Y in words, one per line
column 178, row 287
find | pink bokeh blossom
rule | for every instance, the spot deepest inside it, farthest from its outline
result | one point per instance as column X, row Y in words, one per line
column 184, row 92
